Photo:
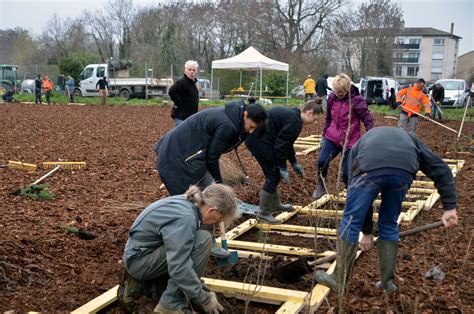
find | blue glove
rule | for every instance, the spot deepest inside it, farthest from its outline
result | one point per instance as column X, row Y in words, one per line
column 398, row 103
column 298, row 168
column 285, row 176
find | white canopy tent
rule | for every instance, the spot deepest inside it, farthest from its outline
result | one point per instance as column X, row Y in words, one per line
column 250, row 59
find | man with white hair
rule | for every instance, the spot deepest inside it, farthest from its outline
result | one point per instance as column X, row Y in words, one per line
column 185, row 94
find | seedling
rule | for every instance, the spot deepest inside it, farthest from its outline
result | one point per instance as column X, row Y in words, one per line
column 36, row 192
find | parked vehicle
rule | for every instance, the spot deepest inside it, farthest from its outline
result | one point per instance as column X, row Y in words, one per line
column 120, row 82
column 204, row 87
column 378, row 90
column 8, row 77
column 456, row 93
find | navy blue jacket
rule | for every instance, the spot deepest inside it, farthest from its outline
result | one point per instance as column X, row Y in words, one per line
column 187, row 152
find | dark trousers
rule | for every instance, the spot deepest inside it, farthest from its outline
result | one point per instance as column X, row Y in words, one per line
column 47, row 94
column 329, row 151
column 38, row 96
column 264, row 154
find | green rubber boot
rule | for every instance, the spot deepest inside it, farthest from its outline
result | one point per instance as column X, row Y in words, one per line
column 267, row 207
column 346, row 255
column 387, row 251
column 129, row 291
column 279, row 206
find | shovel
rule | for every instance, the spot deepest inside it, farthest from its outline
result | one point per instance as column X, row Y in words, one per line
column 292, row 272
column 233, row 258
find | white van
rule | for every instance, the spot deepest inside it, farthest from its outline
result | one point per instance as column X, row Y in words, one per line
column 456, row 93
column 378, row 90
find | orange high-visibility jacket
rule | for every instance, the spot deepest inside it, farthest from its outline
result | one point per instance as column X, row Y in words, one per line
column 412, row 99
column 47, row 85
column 309, row 86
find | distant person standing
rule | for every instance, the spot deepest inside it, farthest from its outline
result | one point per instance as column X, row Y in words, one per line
column 437, row 93
column 102, row 87
column 48, row 89
column 322, row 89
column 62, row 83
column 309, row 88
column 38, row 87
column 70, row 88
column 410, row 100
column 185, row 94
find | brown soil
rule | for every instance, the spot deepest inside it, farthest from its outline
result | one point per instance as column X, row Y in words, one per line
column 43, row 268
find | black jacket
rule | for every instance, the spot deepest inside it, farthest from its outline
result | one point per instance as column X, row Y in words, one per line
column 185, row 96
column 283, row 128
column 394, row 148
column 437, row 92
column 187, row 152
column 102, row 84
column 322, row 87
column 38, row 83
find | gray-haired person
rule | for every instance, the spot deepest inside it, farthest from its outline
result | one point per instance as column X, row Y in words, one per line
column 166, row 252
column 185, row 94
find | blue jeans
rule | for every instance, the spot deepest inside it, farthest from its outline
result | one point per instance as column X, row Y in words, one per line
column 328, row 152
column 361, row 194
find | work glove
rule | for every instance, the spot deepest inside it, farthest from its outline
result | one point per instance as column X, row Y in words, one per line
column 366, row 242
column 298, row 168
column 285, row 176
column 212, row 305
column 398, row 103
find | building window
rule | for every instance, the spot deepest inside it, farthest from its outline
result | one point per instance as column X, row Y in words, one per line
column 398, row 71
column 436, row 63
column 400, row 41
column 412, row 71
column 437, row 56
column 435, row 77
column 438, row 42
column 414, row 41
column 436, row 70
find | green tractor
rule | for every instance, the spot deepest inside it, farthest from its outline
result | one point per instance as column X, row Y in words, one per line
column 8, row 78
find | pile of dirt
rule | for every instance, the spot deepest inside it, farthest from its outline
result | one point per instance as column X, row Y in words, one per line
column 44, row 268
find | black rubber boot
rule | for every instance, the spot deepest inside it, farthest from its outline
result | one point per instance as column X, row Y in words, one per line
column 279, row 206
column 346, row 255
column 129, row 291
column 387, row 251
column 267, row 208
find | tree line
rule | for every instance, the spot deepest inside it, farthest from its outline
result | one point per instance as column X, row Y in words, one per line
column 314, row 37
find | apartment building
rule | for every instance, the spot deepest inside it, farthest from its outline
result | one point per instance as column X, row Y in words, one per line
column 425, row 52
column 465, row 68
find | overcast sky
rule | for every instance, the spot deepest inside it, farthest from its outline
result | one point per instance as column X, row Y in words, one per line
column 34, row 14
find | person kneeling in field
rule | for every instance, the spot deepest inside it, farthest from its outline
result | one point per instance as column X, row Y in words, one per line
column 166, row 251
column 274, row 148
column 385, row 160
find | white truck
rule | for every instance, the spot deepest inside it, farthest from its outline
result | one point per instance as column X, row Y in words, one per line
column 120, row 82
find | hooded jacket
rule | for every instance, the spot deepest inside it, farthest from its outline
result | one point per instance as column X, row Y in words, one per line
column 186, row 153
column 337, row 118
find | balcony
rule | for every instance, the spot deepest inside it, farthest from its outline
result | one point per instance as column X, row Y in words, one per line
column 406, row 46
column 405, row 60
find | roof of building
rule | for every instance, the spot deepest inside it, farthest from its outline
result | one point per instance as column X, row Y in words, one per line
column 467, row 55
column 424, row 31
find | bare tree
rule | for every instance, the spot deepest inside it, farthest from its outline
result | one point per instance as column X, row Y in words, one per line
column 300, row 24
column 366, row 37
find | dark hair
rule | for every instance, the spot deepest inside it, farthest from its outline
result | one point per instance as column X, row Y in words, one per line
column 420, row 80
column 251, row 100
column 325, row 76
column 256, row 113
column 105, row 77
column 313, row 105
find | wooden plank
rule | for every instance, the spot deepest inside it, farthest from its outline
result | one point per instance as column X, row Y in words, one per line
column 241, row 229
column 296, row 228
column 97, row 304
column 290, row 307
column 262, row 293
column 269, row 248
